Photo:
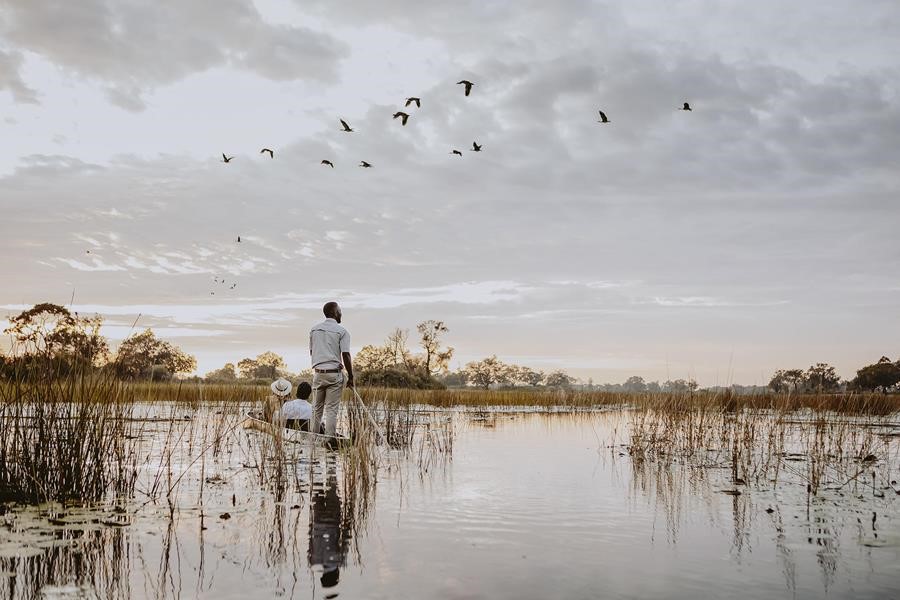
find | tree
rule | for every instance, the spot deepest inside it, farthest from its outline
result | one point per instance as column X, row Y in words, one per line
column 436, row 360
column 247, row 368
column 226, row 373
column 53, row 332
column 559, row 379
column 374, row 358
column 143, row 356
column 635, row 384
column 396, row 346
column 267, row 365
column 528, row 376
column 487, row 372
column 882, row 376
column 455, row 379
column 399, row 378
column 822, row 377
column 790, row 380
column 680, row 386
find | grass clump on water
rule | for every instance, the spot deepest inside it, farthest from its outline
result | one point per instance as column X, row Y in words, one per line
column 66, row 439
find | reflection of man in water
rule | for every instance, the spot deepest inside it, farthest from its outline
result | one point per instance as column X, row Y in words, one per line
column 328, row 538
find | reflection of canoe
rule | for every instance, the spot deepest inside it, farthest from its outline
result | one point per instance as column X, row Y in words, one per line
column 292, row 435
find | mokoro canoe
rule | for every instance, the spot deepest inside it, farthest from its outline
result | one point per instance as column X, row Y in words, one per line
column 292, row 435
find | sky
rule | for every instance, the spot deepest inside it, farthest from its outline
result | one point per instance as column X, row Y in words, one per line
column 756, row 232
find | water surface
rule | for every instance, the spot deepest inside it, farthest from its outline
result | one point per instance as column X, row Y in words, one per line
column 530, row 506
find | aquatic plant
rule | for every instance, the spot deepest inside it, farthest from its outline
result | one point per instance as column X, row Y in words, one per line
column 812, row 441
column 67, row 438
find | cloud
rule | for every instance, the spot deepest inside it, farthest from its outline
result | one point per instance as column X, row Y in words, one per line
column 662, row 231
column 709, row 302
column 11, row 81
column 95, row 265
column 132, row 47
column 120, row 332
column 250, row 309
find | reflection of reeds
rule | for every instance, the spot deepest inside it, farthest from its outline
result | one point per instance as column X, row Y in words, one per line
column 96, row 559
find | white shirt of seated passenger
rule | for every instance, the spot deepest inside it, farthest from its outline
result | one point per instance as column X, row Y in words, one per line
column 296, row 409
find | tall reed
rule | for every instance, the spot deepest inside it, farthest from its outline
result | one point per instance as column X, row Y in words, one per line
column 67, row 439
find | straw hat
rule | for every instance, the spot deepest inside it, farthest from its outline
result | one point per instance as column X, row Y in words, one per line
column 281, row 387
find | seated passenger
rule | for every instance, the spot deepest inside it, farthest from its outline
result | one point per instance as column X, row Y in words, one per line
column 297, row 413
column 281, row 389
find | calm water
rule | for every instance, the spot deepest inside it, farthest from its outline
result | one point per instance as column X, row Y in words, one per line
column 530, row 506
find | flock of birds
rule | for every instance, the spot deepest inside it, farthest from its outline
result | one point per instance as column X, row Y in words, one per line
column 222, row 282
column 404, row 118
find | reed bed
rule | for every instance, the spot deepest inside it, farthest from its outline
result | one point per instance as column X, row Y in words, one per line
column 852, row 403
column 825, row 445
column 195, row 394
column 69, row 439
column 77, row 438
column 845, row 403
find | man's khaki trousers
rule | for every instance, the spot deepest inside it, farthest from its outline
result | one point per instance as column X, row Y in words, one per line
column 327, row 389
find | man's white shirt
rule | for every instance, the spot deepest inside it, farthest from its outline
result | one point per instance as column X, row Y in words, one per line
column 327, row 341
column 296, row 409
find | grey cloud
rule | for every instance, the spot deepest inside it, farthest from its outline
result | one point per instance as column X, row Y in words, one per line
column 540, row 77
column 469, row 25
column 133, row 47
column 764, row 219
column 11, row 81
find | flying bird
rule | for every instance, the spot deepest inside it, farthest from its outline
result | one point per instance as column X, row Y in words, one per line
column 233, row 285
column 364, row 164
column 239, row 240
column 466, row 83
column 264, row 150
column 401, row 115
column 476, row 147
column 212, row 293
column 327, row 162
column 88, row 251
column 603, row 118
column 413, row 99
column 686, row 106
column 346, row 127
column 457, row 152
column 226, row 159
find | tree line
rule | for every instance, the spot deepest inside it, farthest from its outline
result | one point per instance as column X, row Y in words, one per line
column 881, row 376
column 50, row 338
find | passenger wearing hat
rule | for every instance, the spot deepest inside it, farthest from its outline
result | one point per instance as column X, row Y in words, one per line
column 281, row 389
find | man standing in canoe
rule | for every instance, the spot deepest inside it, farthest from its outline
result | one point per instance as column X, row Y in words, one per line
column 329, row 347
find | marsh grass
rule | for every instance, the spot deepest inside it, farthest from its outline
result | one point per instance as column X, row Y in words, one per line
column 194, row 394
column 562, row 399
column 67, row 439
column 813, row 441
column 78, row 437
